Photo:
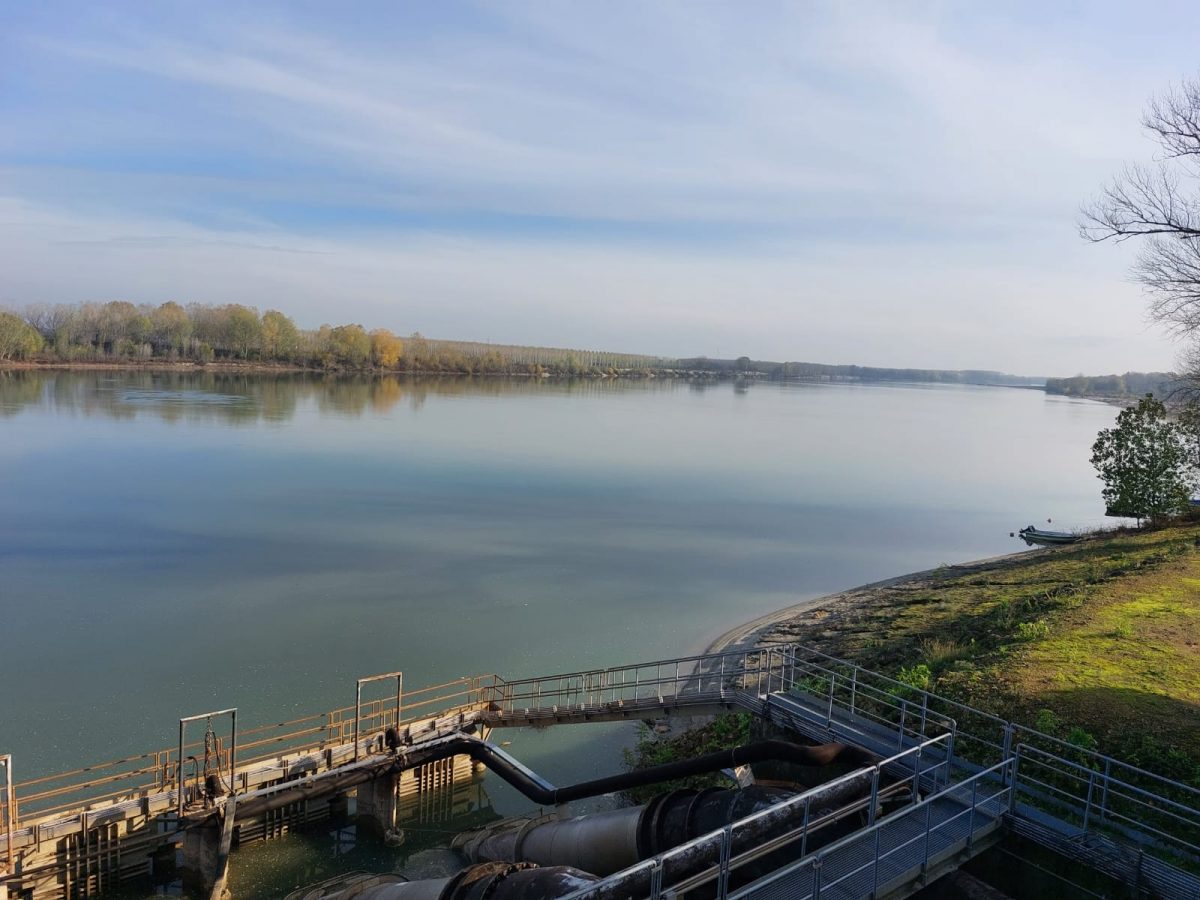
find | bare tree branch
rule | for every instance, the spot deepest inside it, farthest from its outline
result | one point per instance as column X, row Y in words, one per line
column 1174, row 119
column 1160, row 203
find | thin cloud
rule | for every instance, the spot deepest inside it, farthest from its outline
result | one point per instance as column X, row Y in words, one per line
column 841, row 182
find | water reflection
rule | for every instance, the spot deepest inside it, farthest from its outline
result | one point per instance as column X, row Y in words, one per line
column 232, row 398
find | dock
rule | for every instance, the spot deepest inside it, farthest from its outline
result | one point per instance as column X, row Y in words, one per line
column 973, row 778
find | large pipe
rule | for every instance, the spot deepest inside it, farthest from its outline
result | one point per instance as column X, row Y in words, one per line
column 607, row 842
column 696, row 855
column 489, row 881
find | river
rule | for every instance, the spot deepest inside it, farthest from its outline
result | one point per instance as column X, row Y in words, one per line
column 172, row 543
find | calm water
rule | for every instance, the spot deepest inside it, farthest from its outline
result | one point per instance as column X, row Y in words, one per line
column 171, row 544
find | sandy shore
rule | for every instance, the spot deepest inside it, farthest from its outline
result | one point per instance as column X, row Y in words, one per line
column 781, row 626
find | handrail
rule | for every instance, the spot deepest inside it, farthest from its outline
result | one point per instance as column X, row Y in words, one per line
column 750, row 673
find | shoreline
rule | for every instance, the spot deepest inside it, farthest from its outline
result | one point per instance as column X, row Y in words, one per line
column 263, row 368
column 754, row 632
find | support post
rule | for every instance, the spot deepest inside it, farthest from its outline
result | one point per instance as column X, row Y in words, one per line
column 1104, row 790
column 223, row 849
column 378, row 803
column 1087, row 804
column 9, row 818
column 874, row 796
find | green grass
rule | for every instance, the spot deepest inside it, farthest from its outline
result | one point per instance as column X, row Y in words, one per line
column 1099, row 639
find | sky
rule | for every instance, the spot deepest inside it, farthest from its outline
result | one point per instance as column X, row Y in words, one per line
column 842, row 182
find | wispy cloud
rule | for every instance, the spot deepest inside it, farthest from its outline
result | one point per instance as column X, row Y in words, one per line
column 852, row 182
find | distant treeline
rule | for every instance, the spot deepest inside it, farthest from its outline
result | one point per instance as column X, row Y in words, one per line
column 1131, row 384
column 803, row 371
column 122, row 332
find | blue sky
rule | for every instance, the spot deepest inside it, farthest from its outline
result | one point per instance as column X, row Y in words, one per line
column 879, row 183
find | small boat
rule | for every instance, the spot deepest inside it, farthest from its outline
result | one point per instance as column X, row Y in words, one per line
column 1031, row 535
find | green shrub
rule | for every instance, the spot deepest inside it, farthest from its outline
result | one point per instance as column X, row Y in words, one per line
column 1046, row 721
column 1080, row 738
column 918, row 676
column 1033, row 631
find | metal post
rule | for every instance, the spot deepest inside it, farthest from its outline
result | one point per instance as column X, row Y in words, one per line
column 1087, row 803
column 903, row 717
column 971, row 815
column 949, row 758
column 875, row 867
column 1016, row 772
column 804, row 828
column 656, row 873
column 874, row 796
column 925, row 852
column 917, row 773
column 358, row 685
column 179, row 773
column 726, row 852
column 829, row 714
column 1104, row 790
column 817, row 878
column 853, row 689
column 9, row 812
column 233, row 752
column 357, row 713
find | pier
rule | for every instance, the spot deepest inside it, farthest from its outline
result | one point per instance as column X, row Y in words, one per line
column 969, row 778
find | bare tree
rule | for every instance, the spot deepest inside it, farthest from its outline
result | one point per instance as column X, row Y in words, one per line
column 1160, row 204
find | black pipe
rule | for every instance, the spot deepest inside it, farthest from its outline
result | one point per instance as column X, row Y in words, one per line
column 760, row 751
column 607, row 842
column 545, row 794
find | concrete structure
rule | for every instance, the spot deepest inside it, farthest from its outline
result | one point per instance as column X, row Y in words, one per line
column 974, row 776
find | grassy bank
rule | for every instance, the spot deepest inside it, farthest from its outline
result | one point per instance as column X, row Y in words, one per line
column 1098, row 642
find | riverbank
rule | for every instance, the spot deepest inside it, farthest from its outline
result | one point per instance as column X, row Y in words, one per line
column 1097, row 641
column 272, row 368
column 769, row 628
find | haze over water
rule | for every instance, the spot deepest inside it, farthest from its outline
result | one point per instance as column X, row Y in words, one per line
column 177, row 543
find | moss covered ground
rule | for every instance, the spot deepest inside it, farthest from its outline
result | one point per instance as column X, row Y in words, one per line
column 1098, row 641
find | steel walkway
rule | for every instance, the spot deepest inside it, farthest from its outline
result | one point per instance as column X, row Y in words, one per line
column 973, row 776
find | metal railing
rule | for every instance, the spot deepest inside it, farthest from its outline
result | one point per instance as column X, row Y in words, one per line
column 687, row 678
column 981, row 738
column 983, row 799
column 857, row 704
column 900, row 848
column 1093, row 801
column 1083, row 790
column 167, row 770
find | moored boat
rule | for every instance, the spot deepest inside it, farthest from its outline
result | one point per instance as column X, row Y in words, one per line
column 1031, row 535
